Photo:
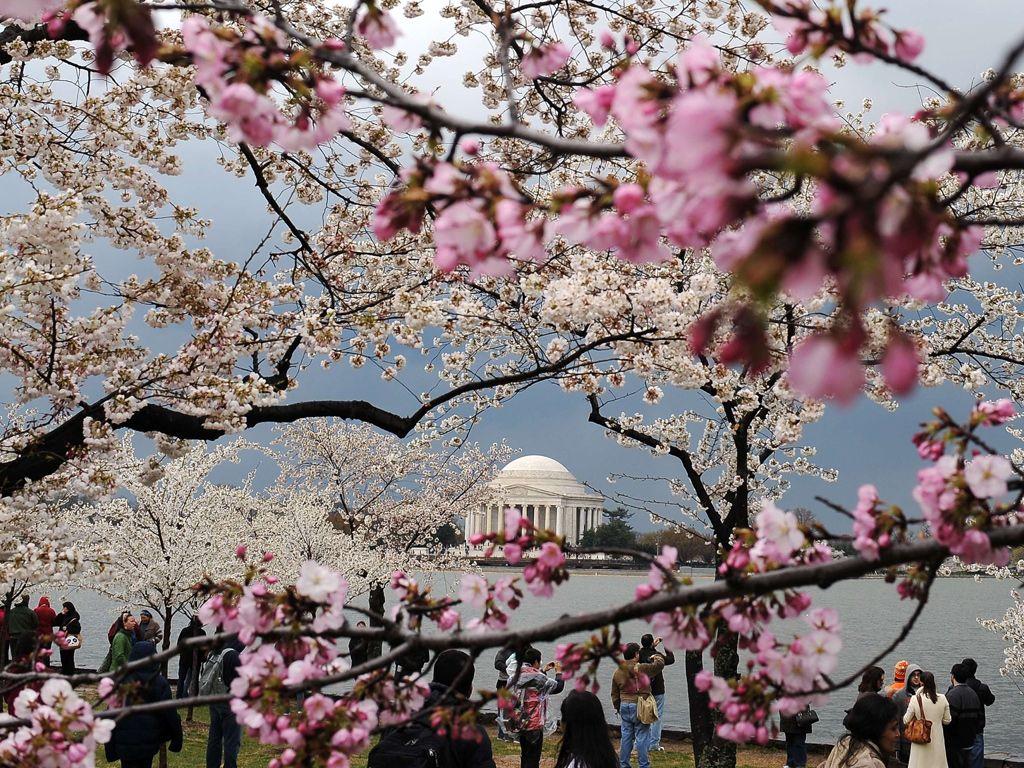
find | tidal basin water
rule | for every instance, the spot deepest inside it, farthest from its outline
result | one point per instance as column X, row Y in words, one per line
column 871, row 612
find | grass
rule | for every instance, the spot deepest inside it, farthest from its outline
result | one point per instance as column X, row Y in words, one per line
column 678, row 754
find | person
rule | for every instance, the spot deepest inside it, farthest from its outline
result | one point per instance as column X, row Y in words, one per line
column 987, row 698
column 188, row 659
column 899, row 677
column 44, row 629
column 631, row 681
column 871, row 681
column 23, row 652
column 532, row 688
column 902, row 697
column 585, row 740
column 359, row 647
column 70, row 623
column 118, row 625
column 149, row 628
column 927, row 704
column 648, row 647
column 418, row 743
column 22, row 621
column 121, row 645
column 796, row 730
column 137, row 737
column 411, row 663
column 225, row 736
column 500, row 663
column 871, row 735
column 966, row 711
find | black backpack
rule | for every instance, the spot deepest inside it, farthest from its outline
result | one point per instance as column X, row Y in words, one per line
column 415, row 745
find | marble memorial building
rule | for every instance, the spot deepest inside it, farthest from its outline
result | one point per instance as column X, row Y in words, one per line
column 547, row 493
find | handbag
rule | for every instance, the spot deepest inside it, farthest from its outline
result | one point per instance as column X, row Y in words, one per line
column 805, row 718
column 646, row 709
column 918, row 730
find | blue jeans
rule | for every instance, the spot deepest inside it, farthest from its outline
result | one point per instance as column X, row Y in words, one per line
column 633, row 732
column 659, row 699
column 796, row 750
column 977, row 751
column 225, row 737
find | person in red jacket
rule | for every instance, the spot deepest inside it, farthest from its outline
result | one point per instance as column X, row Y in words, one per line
column 47, row 616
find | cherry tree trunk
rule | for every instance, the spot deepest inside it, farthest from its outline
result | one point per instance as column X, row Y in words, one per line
column 702, row 726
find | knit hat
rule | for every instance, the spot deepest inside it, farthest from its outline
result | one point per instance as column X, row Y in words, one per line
column 144, row 612
column 899, row 673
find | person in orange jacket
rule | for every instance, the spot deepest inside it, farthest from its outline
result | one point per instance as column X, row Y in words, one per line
column 899, row 678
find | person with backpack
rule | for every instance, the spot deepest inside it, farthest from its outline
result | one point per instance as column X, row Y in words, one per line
column 585, row 739
column 215, row 676
column 532, row 688
column 417, row 744
column 966, row 712
column 138, row 736
column 631, row 684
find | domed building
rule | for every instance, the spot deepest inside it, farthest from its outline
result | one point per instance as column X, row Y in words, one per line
column 547, row 493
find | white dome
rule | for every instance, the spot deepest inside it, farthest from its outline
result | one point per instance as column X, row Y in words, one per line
column 536, row 464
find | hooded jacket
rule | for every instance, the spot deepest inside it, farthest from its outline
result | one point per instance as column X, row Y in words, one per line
column 21, row 620
column 533, row 688
column 469, row 752
column 138, row 736
column 902, row 699
column 46, row 616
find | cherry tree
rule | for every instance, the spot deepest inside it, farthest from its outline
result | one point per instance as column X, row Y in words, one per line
column 387, row 498
column 653, row 193
column 169, row 527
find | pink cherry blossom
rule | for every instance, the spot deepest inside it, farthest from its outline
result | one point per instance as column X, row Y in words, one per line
column 27, row 10
column 473, row 590
column 909, row 44
column 377, row 28
column 900, row 364
column 544, row 60
column 986, row 476
column 820, row 368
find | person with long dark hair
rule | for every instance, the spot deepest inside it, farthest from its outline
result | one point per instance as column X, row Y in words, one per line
column 70, row 623
column 585, row 739
column 928, row 704
column 871, row 682
column 871, row 735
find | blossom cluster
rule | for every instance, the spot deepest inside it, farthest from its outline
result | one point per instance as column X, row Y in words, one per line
column 61, row 730
column 238, row 71
column 519, row 534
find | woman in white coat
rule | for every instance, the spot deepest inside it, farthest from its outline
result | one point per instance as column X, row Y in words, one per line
column 926, row 704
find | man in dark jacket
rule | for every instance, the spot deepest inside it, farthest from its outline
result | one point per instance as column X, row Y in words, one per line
column 452, row 684
column 966, row 711
column 21, row 620
column 987, row 698
column 137, row 737
column 225, row 736
column 648, row 647
column 188, row 660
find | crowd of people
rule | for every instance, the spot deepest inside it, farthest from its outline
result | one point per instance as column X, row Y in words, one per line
column 929, row 729
column 906, row 723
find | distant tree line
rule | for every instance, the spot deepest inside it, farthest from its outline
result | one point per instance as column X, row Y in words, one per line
column 617, row 531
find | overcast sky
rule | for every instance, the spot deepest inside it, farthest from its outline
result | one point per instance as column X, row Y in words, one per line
column 866, row 443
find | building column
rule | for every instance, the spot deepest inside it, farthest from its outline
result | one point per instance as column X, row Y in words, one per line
column 545, row 517
column 559, row 527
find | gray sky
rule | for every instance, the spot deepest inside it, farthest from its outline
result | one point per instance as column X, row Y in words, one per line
column 866, row 443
